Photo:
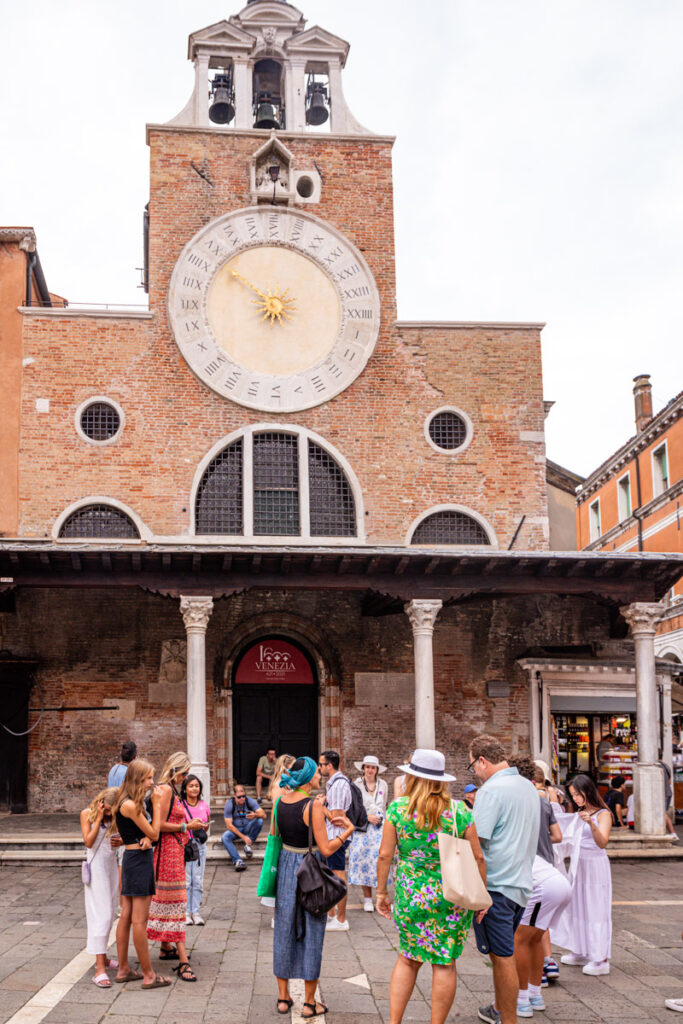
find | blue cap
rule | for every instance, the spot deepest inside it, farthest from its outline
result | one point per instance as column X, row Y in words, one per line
column 471, row 789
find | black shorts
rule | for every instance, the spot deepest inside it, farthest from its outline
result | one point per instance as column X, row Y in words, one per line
column 496, row 933
column 137, row 873
column 337, row 860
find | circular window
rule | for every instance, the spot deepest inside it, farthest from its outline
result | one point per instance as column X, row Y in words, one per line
column 305, row 186
column 99, row 420
column 448, row 430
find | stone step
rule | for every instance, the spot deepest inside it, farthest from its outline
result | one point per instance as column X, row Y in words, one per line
column 18, row 854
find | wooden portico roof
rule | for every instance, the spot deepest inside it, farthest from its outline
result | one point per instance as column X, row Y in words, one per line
column 397, row 573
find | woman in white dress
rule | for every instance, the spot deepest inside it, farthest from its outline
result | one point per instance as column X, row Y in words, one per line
column 102, row 891
column 586, row 925
column 365, row 845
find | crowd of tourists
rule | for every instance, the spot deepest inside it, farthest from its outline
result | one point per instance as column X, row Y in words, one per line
column 519, row 861
column 146, row 853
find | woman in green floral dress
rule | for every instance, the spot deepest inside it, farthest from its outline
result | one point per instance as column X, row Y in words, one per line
column 431, row 930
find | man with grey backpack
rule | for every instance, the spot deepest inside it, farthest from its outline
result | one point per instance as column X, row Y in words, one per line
column 338, row 799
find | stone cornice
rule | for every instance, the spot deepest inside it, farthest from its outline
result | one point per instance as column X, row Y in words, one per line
column 71, row 312
column 503, row 325
column 264, row 133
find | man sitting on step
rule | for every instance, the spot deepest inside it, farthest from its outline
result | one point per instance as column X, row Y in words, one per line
column 243, row 821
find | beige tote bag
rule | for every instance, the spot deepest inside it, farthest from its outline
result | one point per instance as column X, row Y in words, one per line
column 462, row 883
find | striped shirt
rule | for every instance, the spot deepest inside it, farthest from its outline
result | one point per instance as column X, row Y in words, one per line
column 338, row 798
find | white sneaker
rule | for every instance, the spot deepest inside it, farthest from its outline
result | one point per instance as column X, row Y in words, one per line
column 572, row 960
column 597, row 967
column 189, row 919
column 248, row 852
column 272, row 922
column 674, row 1004
column 198, row 919
column 334, row 925
column 367, row 905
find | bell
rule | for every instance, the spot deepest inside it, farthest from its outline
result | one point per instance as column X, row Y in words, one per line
column 265, row 116
column 221, row 110
column 316, row 111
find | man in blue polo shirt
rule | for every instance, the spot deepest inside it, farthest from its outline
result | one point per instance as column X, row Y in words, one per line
column 507, row 818
column 244, row 819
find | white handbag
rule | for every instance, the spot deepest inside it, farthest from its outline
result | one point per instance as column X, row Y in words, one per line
column 460, row 877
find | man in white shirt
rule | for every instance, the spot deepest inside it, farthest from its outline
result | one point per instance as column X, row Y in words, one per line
column 337, row 798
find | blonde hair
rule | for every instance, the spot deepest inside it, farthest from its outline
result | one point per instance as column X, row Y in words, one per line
column 176, row 764
column 284, row 761
column 133, row 786
column 109, row 797
column 427, row 800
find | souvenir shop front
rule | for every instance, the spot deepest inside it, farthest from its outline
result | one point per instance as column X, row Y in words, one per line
column 577, row 705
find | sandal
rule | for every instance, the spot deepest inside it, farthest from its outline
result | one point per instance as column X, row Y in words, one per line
column 101, row 980
column 289, row 1003
column 316, row 1011
column 130, row 976
column 168, row 954
column 184, row 972
column 159, row 982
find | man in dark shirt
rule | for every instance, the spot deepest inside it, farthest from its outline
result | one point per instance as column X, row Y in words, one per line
column 616, row 801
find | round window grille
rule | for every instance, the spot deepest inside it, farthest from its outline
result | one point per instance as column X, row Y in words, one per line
column 100, row 421
column 448, row 430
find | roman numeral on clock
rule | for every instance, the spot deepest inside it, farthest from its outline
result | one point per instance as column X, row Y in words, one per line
column 193, row 283
column 189, row 304
column 198, row 262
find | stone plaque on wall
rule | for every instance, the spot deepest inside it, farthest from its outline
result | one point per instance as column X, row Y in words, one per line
column 384, row 689
column 171, row 687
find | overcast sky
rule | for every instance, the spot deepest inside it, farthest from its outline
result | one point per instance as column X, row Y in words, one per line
column 538, row 167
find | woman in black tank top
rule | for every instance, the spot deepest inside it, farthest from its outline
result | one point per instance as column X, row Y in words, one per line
column 299, row 957
column 137, row 873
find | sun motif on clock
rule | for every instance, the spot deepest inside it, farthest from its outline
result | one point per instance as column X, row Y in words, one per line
column 273, row 309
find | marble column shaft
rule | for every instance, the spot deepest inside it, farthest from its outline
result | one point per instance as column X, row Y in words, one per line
column 422, row 615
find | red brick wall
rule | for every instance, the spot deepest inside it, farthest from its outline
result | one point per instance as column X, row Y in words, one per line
column 108, row 647
column 172, row 420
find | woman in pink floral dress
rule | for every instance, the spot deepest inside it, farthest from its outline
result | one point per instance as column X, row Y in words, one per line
column 431, row 930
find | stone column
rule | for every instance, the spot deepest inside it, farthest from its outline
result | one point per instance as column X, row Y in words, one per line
column 648, row 782
column 244, row 115
column 422, row 615
column 196, row 612
column 201, row 91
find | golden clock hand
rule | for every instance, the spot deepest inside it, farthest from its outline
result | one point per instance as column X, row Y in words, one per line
column 248, row 283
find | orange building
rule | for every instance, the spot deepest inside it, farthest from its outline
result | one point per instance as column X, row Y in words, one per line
column 634, row 501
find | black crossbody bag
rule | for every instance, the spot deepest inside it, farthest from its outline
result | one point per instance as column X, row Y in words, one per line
column 318, row 889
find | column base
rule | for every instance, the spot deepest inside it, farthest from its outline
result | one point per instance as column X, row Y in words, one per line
column 201, row 770
column 648, row 790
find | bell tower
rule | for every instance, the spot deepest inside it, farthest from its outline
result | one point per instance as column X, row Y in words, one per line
column 262, row 68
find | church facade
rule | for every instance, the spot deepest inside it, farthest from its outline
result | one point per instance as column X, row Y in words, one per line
column 263, row 512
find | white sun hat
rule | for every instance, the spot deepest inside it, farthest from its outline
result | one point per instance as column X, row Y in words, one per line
column 370, row 759
column 427, row 764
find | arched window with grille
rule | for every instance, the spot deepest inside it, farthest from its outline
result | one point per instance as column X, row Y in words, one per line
column 105, row 521
column 451, row 526
column 276, row 482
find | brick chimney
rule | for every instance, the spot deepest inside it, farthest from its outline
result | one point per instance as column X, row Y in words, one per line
column 642, row 394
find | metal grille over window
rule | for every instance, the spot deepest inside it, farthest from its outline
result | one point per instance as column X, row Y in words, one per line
column 276, row 485
column 450, row 527
column 448, row 430
column 332, row 508
column 100, row 421
column 219, row 496
column 99, row 521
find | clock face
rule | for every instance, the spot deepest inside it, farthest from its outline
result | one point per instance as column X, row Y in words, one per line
column 273, row 309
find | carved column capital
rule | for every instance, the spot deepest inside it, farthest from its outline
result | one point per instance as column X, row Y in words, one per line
column 196, row 612
column 642, row 617
column 422, row 615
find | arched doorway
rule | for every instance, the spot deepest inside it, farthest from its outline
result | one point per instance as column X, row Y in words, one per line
column 275, row 703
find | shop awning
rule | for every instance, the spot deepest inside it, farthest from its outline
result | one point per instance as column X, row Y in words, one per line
column 395, row 573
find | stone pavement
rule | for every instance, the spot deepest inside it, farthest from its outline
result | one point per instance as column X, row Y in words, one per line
column 42, row 930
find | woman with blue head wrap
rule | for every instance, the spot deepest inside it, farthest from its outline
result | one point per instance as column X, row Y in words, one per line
column 293, row 778
column 297, row 953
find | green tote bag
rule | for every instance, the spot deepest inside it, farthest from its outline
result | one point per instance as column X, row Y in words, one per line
column 267, row 883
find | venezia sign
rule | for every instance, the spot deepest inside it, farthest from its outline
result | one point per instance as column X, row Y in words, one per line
column 274, row 661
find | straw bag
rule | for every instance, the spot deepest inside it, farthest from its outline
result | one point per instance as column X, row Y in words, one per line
column 460, row 877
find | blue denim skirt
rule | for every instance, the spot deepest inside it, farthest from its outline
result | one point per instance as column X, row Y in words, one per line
column 292, row 958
